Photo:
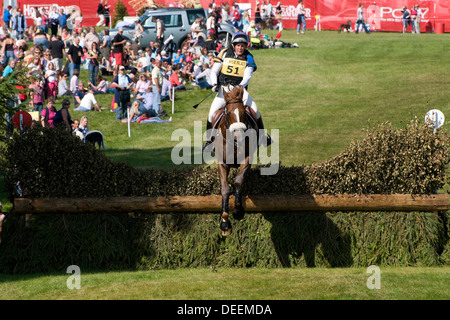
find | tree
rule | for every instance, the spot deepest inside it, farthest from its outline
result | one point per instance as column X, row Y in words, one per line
column 9, row 104
column 120, row 12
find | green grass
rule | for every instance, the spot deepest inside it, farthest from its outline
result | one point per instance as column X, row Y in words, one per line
column 235, row 284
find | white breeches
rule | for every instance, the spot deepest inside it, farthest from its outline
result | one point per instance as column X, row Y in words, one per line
column 219, row 102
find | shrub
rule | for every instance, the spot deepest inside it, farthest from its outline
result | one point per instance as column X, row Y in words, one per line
column 48, row 163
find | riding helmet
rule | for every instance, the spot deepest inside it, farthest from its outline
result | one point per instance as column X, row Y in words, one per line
column 240, row 37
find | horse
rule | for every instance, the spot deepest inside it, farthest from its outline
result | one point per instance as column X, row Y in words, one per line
column 234, row 148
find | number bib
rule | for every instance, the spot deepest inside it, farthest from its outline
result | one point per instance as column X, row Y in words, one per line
column 233, row 67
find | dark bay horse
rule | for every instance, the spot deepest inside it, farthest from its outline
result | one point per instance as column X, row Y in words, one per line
column 235, row 144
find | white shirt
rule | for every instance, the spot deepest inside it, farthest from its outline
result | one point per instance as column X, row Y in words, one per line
column 88, row 101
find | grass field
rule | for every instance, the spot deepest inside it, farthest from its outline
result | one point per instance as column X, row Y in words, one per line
column 235, row 284
column 320, row 96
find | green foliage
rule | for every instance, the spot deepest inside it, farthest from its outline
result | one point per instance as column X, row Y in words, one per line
column 8, row 92
column 49, row 163
column 120, row 11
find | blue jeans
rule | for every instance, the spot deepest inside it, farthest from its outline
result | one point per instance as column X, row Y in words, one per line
column 156, row 100
column 203, row 84
column 358, row 23
column 41, row 41
column 93, row 72
column 73, row 66
column 301, row 19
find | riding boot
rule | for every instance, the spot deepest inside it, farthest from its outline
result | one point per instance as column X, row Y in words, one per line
column 268, row 140
column 209, row 138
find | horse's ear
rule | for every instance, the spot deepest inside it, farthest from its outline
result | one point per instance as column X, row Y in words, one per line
column 225, row 94
column 240, row 93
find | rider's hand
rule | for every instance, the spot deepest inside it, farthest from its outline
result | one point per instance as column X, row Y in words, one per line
column 215, row 88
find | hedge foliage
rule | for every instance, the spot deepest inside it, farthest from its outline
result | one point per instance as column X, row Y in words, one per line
column 49, row 163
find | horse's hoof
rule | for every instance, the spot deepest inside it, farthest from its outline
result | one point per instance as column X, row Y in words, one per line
column 238, row 213
column 225, row 228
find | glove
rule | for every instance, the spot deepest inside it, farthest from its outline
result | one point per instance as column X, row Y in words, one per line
column 215, row 88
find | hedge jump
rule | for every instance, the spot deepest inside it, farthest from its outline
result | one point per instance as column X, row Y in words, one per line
column 253, row 203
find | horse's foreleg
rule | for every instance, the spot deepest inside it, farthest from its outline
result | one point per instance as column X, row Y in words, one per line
column 239, row 211
column 225, row 224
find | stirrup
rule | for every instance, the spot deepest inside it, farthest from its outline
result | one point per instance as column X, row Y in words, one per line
column 207, row 146
column 267, row 141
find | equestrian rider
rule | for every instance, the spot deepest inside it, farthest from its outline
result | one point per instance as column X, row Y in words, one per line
column 233, row 66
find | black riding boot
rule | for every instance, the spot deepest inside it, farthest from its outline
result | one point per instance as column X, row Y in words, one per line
column 268, row 140
column 209, row 138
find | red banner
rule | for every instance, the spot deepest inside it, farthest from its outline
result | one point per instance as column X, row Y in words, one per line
column 381, row 15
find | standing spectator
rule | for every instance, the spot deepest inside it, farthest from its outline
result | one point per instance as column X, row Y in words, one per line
column 157, row 81
column 56, row 47
column 418, row 17
column 94, row 56
column 37, row 20
column 54, row 20
column 106, row 13
column 257, row 13
column 413, row 18
column 101, row 14
column 301, row 17
column 52, row 82
column 105, row 47
column 62, row 118
column 48, row 114
column 7, row 16
column 91, row 37
column 236, row 18
column 19, row 24
column 7, row 51
column 122, row 83
column 160, row 28
column 360, row 19
column 74, row 55
column 45, row 20
column 36, row 95
column 118, row 43
column 62, row 20
column 406, row 18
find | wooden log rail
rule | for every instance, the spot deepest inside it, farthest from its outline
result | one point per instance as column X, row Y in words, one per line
column 252, row 203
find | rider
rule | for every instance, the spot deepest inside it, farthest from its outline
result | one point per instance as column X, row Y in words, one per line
column 233, row 65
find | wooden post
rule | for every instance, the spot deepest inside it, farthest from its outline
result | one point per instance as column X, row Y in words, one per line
column 252, row 203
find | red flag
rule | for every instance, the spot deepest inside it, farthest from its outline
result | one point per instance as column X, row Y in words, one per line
column 278, row 35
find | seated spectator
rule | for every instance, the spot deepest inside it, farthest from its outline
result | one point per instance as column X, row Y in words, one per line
column 83, row 128
column 175, row 79
column 88, row 102
column 143, row 62
column 135, row 114
column 203, row 79
column 142, row 84
column 74, row 81
column 146, row 102
column 166, row 90
column 79, row 93
column 63, row 88
column 102, row 86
